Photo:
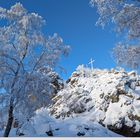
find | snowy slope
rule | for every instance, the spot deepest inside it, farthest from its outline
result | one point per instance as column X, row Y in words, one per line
column 43, row 125
column 110, row 97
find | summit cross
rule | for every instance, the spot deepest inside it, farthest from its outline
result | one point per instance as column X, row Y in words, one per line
column 91, row 63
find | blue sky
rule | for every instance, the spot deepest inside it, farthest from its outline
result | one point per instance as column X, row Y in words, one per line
column 74, row 21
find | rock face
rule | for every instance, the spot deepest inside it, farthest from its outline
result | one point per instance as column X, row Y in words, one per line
column 112, row 98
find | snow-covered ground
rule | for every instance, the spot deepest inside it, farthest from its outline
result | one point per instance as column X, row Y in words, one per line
column 73, row 126
column 42, row 124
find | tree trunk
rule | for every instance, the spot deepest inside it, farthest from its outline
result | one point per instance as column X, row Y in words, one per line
column 9, row 122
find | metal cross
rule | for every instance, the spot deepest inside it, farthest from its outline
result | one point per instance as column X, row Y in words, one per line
column 91, row 63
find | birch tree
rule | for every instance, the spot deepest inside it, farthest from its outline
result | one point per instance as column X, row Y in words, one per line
column 127, row 56
column 125, row 15
column 24, row 49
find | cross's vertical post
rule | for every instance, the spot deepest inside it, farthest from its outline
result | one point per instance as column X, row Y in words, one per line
column 91, row 63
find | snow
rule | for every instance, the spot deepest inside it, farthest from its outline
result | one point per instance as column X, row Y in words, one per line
column 71, row 127
column 88, row 105
column 42, row 122
column 136, row 106
column 111, row 96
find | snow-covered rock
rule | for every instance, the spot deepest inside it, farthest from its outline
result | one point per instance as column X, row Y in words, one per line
column 111, row 97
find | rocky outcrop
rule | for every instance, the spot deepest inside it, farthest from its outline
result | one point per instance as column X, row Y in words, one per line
column 112, row 97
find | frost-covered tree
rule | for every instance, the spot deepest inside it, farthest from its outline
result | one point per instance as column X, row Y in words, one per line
column 24, row 50
column 41, row 87
column 125, row 15
column 127, row 56
column 4, row 98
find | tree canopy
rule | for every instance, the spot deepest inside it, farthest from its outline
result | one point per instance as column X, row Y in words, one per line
column 24, row 52
column 125, row 15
